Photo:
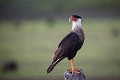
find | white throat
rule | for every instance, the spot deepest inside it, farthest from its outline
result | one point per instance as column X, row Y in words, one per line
column 76, row 24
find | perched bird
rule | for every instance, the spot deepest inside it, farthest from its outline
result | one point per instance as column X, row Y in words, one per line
column 70, row 44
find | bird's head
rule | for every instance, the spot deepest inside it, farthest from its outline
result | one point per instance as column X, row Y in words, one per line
column 74, row 18
column 76, row 21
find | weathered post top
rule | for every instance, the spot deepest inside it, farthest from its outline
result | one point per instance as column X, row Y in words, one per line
column 76, row 76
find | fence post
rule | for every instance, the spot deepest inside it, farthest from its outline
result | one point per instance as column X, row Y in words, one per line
column 76, row 76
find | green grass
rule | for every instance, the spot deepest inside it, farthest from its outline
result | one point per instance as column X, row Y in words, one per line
column 33, row 43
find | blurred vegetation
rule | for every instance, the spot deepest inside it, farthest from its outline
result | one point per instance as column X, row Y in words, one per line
column 32, row 45
column 52, row 5
column 57, row 8
column 30, row 31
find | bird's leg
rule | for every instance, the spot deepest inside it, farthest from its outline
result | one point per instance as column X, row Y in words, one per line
column 73, row 69
column 72, row 65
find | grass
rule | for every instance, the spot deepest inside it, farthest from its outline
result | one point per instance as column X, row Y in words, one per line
column 32, row 44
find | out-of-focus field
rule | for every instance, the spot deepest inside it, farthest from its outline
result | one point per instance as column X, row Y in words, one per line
column 32, row 43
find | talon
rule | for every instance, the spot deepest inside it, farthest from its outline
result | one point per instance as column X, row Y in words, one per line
column 76, row 70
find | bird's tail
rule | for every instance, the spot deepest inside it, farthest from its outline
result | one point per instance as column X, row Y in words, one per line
column 51, row 67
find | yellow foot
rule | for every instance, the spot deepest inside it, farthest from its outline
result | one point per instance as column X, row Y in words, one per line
column 76, row 70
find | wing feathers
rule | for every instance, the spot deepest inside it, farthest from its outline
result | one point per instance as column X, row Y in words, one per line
column 67, row 47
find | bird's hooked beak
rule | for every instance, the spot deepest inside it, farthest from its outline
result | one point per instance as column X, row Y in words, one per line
column 70, row 18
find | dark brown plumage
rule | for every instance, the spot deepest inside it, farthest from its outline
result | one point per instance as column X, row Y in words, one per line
column 68, row 47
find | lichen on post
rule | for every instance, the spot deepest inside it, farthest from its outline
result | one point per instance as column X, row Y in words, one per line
column 76, row 76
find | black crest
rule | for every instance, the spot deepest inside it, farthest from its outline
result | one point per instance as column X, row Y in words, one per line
column 76, row 16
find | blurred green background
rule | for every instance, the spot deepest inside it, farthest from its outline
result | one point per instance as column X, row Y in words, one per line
column 30, row 31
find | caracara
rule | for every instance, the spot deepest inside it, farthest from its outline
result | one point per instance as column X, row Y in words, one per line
column 70, row 44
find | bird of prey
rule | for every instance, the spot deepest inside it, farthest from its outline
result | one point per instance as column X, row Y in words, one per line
column 70, row 44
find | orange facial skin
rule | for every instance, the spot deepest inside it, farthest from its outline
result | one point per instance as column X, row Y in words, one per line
column 73, row 18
